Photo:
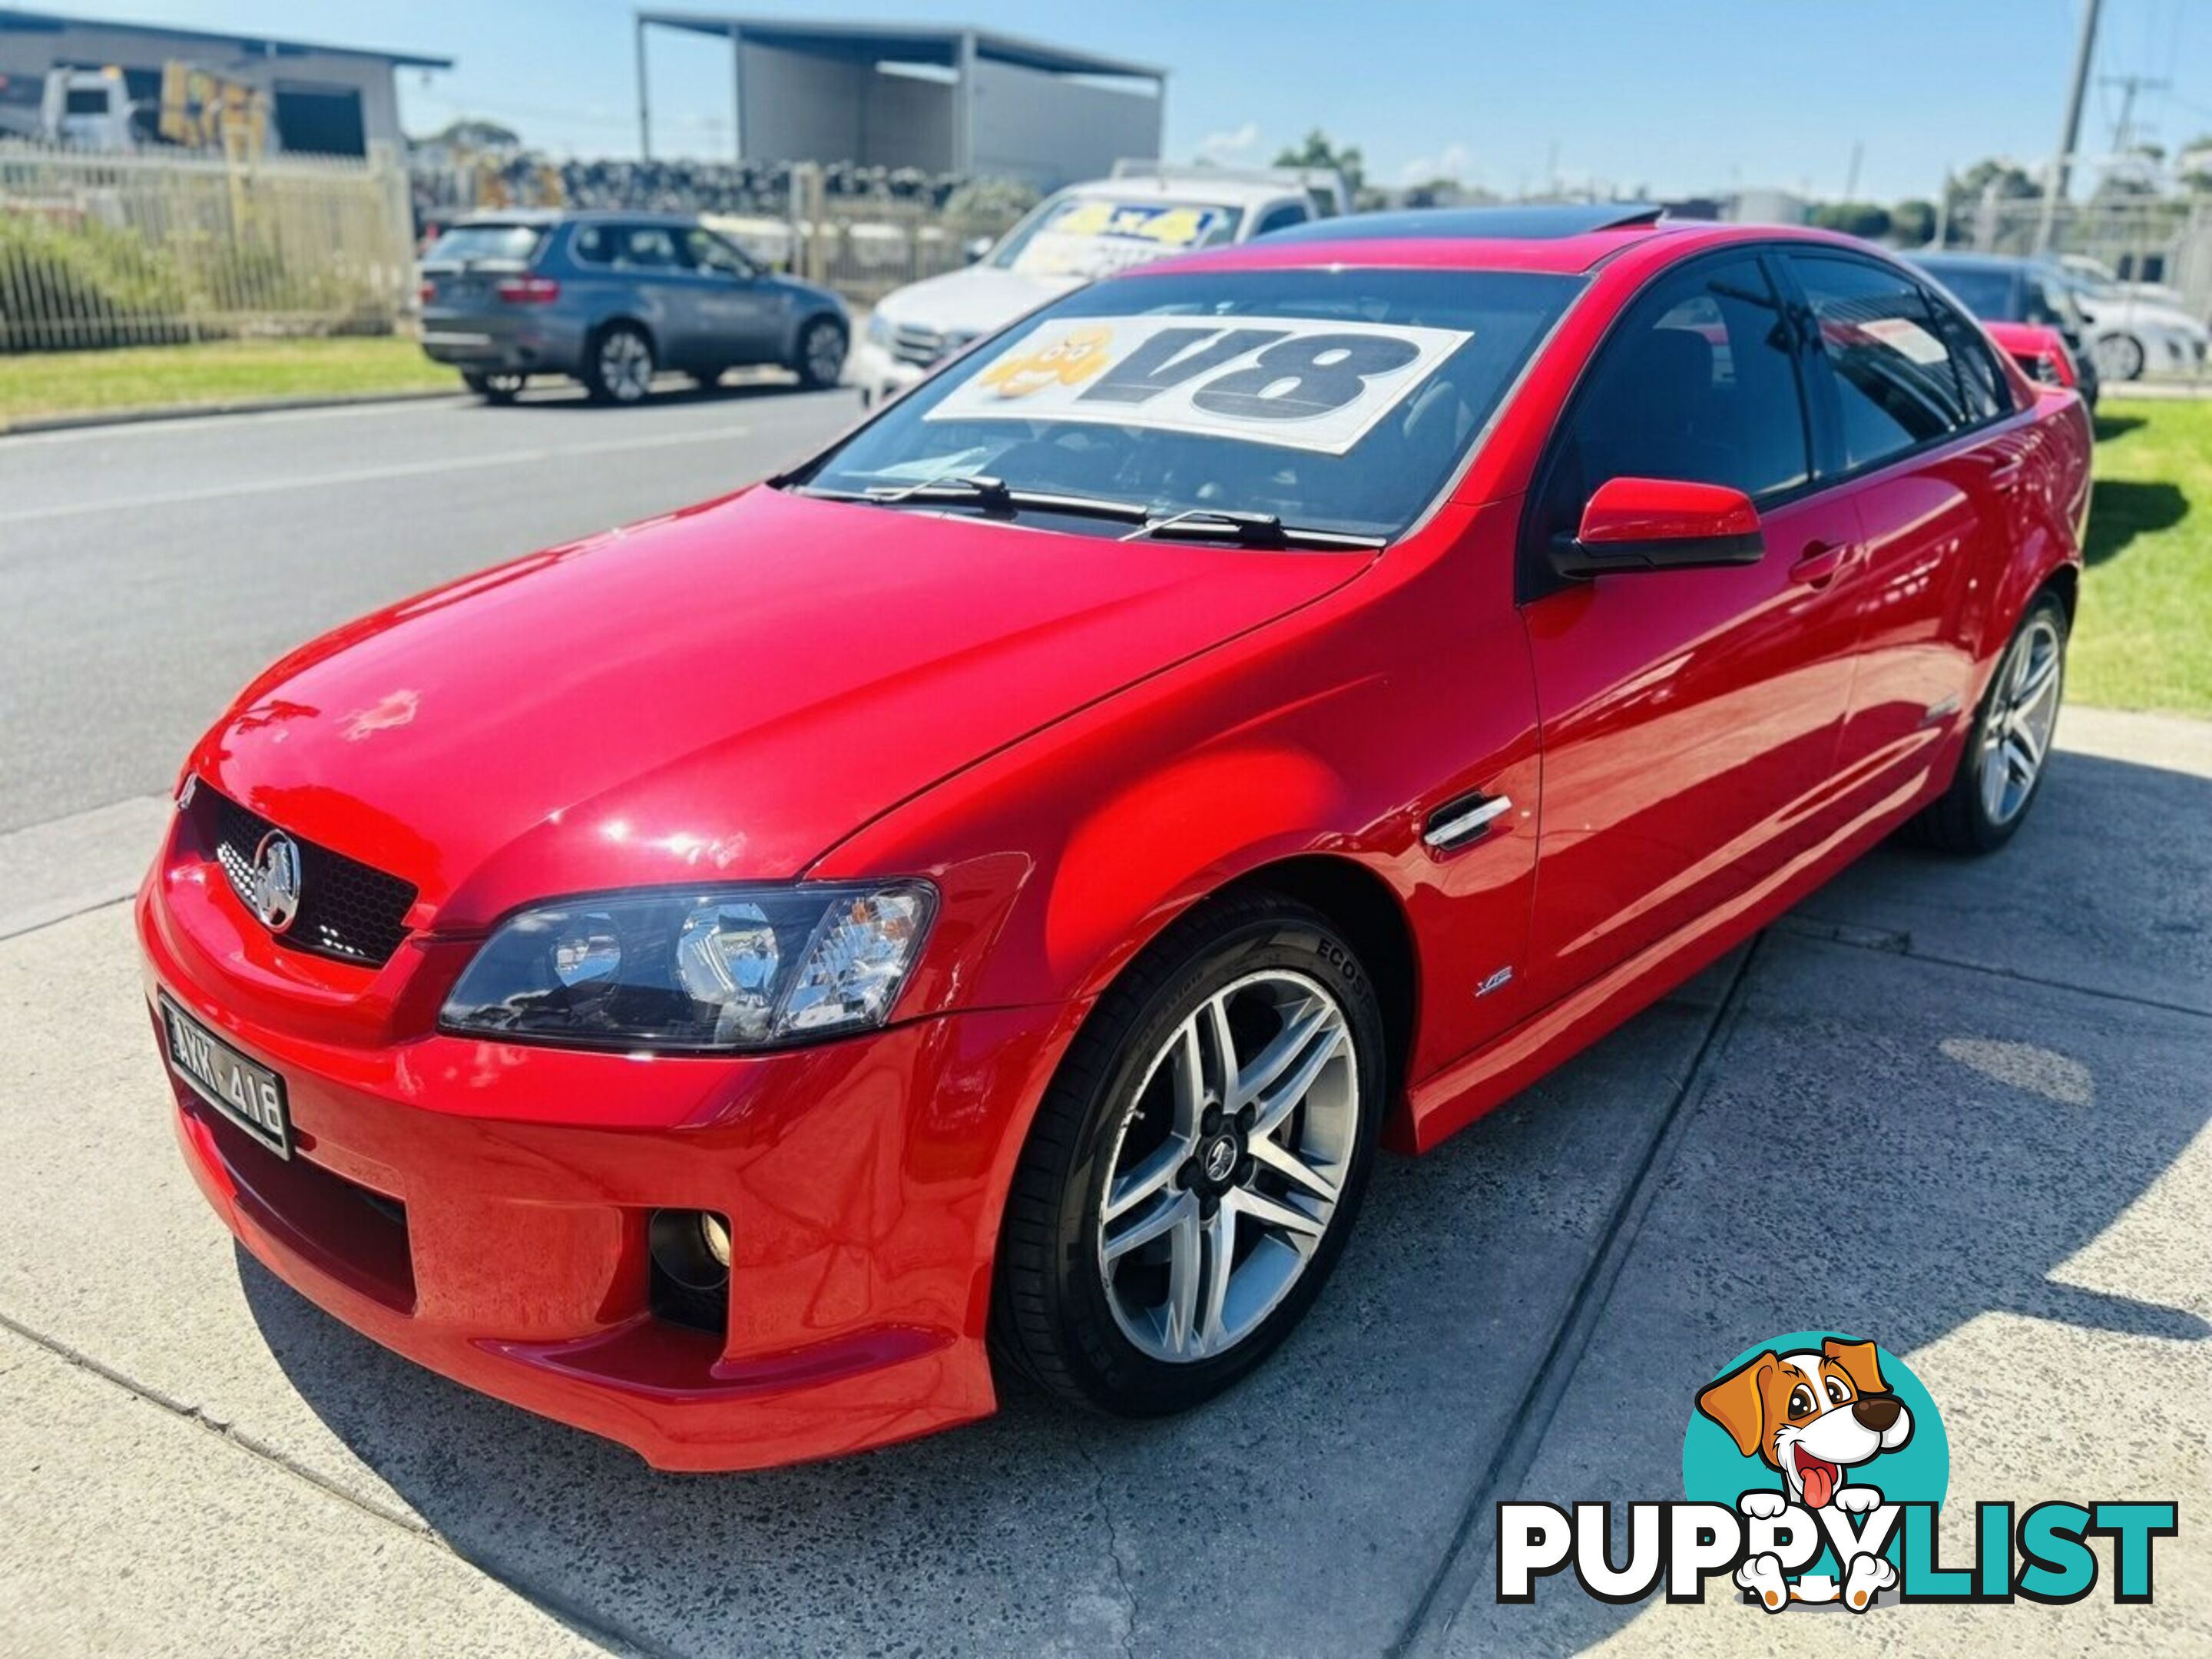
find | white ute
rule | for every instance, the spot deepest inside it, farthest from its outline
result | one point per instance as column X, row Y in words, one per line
column 1144, row 212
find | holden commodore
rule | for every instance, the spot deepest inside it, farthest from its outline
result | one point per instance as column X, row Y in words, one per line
column 985, row 895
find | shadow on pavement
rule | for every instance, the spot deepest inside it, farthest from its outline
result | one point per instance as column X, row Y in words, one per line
column 1887, row 1143
column 549, row 394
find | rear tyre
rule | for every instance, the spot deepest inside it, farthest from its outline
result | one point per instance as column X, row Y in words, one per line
column 2006, row 752
column 618, row 369
column 496, row 388
column 1196, row 1165
column 821, row 359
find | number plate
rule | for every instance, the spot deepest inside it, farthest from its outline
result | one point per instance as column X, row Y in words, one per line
column 250, row 1095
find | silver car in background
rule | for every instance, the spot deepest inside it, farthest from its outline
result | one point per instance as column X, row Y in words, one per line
column 610, row 299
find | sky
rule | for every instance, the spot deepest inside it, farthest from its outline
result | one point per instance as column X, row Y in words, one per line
column 1638, row 97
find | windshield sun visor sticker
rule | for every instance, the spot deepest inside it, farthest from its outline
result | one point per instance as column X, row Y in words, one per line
column 1308, row 383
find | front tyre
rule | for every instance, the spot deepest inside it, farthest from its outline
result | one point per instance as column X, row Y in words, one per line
column 821, row 358
column 2006, row 751
column 1197, row 1163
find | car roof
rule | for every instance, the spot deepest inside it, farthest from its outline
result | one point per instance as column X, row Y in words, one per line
column 1936, row 259
column 1555, row 238
column 568, row 215
column 1185, row 187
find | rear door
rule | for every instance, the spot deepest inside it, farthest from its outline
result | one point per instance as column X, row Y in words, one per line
column 1690, row 717
column 1910, row 411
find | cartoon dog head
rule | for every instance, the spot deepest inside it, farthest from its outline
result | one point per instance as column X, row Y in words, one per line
column 1069, row 359
column 1811, row 1415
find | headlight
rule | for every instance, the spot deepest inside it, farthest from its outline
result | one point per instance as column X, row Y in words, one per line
column 879, row 328
column 695, row 968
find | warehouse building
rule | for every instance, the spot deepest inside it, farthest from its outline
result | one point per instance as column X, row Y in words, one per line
column 324, row 100
column 965, row 101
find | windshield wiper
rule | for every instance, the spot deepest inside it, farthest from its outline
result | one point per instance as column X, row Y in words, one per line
column 1252, row 530
column 997, row 496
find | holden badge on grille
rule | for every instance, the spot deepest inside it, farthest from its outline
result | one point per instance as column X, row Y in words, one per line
column 276, row 880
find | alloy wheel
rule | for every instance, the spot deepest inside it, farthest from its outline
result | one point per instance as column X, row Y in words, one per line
column 825, row 353
column 625, row 366
column 2023, row 711
column 1229, row 1166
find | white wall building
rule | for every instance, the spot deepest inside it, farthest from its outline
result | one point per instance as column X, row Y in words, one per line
column 943, row 100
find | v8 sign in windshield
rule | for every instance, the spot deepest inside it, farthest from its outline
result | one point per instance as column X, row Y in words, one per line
column 1307, row 383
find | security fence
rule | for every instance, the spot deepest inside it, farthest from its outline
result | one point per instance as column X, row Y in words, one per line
column 154, row 247
column 2164, row 241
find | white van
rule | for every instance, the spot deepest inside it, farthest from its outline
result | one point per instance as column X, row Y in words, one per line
column 1144, row 212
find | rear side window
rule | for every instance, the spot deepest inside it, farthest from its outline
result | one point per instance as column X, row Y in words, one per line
column 1699, row 384
column 515, row 243
column 1896, row 385
column 1281, row 217
column 626, row 247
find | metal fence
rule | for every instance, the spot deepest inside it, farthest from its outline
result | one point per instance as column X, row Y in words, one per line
column 2164, row 239
column 152, row 247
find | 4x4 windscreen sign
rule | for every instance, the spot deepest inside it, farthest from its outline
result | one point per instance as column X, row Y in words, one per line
column 1308, row 383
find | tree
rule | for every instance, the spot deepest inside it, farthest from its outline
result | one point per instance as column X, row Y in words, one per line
column 1318, row 151
column 1912, row 223
column 1868, row 219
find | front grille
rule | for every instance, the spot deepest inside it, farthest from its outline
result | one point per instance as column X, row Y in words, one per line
column 347, row 911
column 921, row 347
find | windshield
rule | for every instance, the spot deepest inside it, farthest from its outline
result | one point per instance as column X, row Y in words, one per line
column 1093, row 236
column 466, row 242
column 1340, row 400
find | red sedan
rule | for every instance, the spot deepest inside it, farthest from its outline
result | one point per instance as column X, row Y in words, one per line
column 985, row 895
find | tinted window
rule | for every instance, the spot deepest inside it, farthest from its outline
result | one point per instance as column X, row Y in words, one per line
column 1982, row 385
column 1280, row 218
column 1896, row 388
column 1699, row 383
column 518, row 243
column 1986, row 290
column 1340, row 400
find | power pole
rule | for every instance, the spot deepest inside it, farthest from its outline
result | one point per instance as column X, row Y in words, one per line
column 1851, row 178
column 2130, row 85
column 2070, row 136
column 644, row 98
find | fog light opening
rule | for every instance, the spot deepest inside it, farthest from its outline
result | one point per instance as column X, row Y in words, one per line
column 691, row 1248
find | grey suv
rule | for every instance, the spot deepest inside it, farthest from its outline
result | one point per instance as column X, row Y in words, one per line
column 610, row 298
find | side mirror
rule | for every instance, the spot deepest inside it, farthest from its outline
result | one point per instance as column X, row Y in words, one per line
column 1659, row 524
column 976, row 247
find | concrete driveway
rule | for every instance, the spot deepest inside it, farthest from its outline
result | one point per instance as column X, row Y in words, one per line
column 1959, row 1108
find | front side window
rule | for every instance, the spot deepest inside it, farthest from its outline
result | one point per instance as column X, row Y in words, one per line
column 707, row 252
column 1338, row 400
column 1699, row 384
column 1280, row 218
column 1896, row 385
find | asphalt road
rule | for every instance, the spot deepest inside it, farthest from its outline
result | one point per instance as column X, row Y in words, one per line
column 146, row 572
column 1956, row 1106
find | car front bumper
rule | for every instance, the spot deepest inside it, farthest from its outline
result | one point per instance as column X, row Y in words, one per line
column 482, row 1207
column 879, row 375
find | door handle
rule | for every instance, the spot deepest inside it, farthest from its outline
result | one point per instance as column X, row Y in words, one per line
column 1457, row 823
column 1817, row 565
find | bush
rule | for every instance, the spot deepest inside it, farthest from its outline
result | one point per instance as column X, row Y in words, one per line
column 65, row 284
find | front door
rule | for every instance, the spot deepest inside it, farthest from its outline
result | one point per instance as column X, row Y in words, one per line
column 1690, row 718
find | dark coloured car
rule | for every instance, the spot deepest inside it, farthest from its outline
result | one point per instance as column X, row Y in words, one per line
column 610, row 299
column 1998, row 289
